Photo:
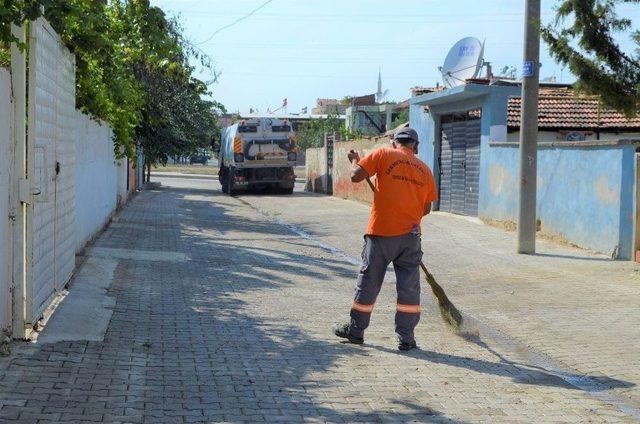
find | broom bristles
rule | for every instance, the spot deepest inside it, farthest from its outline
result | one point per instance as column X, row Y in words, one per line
column 449, row 313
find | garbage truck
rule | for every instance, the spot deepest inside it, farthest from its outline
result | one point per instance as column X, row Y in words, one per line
column 258, row 154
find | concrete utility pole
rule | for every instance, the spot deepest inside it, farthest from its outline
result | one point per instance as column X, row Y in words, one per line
column 529, row 129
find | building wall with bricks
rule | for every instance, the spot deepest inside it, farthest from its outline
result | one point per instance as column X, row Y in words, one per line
column 5, row 228
column 342, row 185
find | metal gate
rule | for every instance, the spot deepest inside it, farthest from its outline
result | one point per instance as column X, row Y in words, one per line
column 460, row 163
column 6, row 156
column 329, row 144
column 50, row 254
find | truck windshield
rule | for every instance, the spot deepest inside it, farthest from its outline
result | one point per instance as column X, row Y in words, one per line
column 248, row 128
column 280, row 128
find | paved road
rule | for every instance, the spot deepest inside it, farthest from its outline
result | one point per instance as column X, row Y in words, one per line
column 223, row 309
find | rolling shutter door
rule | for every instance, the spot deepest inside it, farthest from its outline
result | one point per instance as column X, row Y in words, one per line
column 445, row 168
column 460, row 164
column 472, row 168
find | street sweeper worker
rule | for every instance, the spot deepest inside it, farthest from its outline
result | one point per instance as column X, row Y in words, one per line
column 404, row 190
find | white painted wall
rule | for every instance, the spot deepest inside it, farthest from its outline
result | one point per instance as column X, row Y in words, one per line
column 5, row 187
column 121, row 186
column 97, row 178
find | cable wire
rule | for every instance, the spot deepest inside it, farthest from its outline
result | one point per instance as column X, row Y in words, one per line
column 234, row 22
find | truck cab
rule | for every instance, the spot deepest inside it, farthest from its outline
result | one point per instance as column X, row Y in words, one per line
column 258, row 154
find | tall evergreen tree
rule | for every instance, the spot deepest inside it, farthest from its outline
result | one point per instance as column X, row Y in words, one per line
column 586, row 44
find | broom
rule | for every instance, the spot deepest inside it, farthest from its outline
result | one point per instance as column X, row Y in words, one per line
column 449, row 313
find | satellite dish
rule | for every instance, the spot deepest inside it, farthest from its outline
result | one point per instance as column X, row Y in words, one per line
column 464, row 61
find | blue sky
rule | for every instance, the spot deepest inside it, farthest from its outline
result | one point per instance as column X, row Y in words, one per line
column 307, row 49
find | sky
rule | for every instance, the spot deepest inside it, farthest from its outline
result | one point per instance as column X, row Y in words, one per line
column 302, row 50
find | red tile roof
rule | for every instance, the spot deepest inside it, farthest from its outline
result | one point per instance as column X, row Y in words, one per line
column 562, row 108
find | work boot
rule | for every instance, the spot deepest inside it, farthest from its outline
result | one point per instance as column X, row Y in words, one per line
column 344, row 331
column 406, row 346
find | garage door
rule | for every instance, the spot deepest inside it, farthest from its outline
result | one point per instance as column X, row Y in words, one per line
column 460, row 163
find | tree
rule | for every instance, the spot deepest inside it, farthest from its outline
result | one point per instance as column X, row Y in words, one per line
column 587, row 46
column 311, row 133
column 15, row 12
column 132, row 71
column 106, row 88
column 176, row 119
column 402, row 118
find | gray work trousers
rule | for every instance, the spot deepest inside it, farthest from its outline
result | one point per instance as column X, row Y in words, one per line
column 405, row 253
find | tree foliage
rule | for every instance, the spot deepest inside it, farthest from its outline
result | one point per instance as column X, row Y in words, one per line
column 132, row 70
column 311, row 134
column 16, row 12
column 402, row 118
column 588, row 47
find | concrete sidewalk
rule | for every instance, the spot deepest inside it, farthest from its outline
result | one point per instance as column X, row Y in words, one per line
column 222, row 312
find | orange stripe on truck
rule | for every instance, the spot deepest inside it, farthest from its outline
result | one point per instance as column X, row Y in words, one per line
column 237, row 145
column 361, row 307
column 409, row 309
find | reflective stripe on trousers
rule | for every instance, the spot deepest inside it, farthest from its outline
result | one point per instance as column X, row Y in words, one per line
column 405, row 253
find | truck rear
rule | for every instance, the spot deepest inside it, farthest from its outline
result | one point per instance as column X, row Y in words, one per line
column 258, row 154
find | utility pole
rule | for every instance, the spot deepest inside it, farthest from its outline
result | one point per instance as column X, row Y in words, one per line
column 529, row 129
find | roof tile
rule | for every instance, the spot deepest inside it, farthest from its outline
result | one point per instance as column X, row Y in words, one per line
column 560, row 108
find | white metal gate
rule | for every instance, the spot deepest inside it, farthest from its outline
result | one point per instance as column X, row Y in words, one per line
column 50, row 166
column 6, row 156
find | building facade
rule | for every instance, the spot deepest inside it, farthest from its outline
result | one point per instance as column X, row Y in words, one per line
column 587, row 162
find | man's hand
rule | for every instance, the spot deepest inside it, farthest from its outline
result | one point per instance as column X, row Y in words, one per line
column 357, row 172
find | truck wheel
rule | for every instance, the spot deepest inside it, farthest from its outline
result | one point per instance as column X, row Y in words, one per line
column 286, row 190
column 229, row 183
column 224, row 175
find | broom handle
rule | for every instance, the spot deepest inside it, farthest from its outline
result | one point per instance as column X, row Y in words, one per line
column 371, row 185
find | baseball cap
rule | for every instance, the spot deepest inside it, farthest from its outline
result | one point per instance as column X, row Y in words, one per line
column 406, row 135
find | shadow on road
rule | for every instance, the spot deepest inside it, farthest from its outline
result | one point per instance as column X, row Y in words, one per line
column 519, row 373
column 572, row 257
column 185, row 342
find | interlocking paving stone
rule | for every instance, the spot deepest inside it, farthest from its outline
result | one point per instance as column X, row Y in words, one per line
column 241, row 331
